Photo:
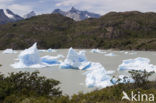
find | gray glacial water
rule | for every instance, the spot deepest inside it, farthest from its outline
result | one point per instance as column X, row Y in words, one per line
column 73, row 81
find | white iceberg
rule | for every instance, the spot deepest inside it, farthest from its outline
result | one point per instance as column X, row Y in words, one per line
column 122, row 79
column 42, row 50
column 82, row 51
column 110, row 54
column 60, row 56
column 98, row 77
column 137, row 64
column 75, row 60
column 130, row 53
column 51, row 50
column 48, row 50
column 133, row 53
column 50, row 60
column 9, row 51
column 97, row 51
column 30, row 58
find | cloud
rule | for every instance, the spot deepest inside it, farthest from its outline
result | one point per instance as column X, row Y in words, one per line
column 103, row 6
column 5, row 1
column 68, row 2
column 20, row 9
column 98, row 6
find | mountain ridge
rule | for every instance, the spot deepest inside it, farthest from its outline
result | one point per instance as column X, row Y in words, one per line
column 115, row 30
column 76, row 14
column 29, row 15
column 7, row 16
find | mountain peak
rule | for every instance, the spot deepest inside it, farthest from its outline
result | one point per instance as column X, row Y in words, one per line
column 7, row 15
column 33, row 12
column 76, row 14
column 29, row 15
column 73, row 9
column 57, row 10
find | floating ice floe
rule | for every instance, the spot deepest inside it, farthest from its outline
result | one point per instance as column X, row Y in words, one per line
column 130, row 53
column 98, row 77
column 49, row 50
column 82, row 51
column 50, row 60
column 97, row 51
column 42, row 50
column 9, row 51
column 110, row 54
column 137, row 64
column 133, row 53
column 122, row 79
column 75, row 60
column 30, row 58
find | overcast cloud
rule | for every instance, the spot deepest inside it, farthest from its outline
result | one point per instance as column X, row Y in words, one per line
column 98, row 6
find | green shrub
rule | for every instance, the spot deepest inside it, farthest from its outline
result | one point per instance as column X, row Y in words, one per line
column 140, row 77
column 27, row 84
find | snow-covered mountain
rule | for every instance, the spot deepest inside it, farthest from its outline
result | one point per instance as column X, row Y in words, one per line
column 29, row 15
column 7, row 16
column 77, row 15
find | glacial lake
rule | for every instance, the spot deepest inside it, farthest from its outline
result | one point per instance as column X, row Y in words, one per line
column 73, row 81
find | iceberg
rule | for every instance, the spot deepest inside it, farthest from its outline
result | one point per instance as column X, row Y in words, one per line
column 130, row 53
column 98, row 77
column 137, row 64
column 30, row 58
column 9, row 51
column 110, row 54
column 97, row 51
column 49, row 50
column 49, row 61
column 42, row 50
column 75, row 60
column 122, row 79
column 133, row 53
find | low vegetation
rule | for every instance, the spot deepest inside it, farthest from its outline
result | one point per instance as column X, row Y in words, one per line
column 24, row 84
column 118, row 30
column 25, row 87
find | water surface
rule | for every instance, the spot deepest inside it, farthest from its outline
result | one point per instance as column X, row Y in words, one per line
column 73, row 81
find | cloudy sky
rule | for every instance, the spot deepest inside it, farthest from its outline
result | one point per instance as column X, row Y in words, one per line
column 98, row 6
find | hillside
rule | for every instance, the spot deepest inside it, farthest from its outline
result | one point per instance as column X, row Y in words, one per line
column 117, row 30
